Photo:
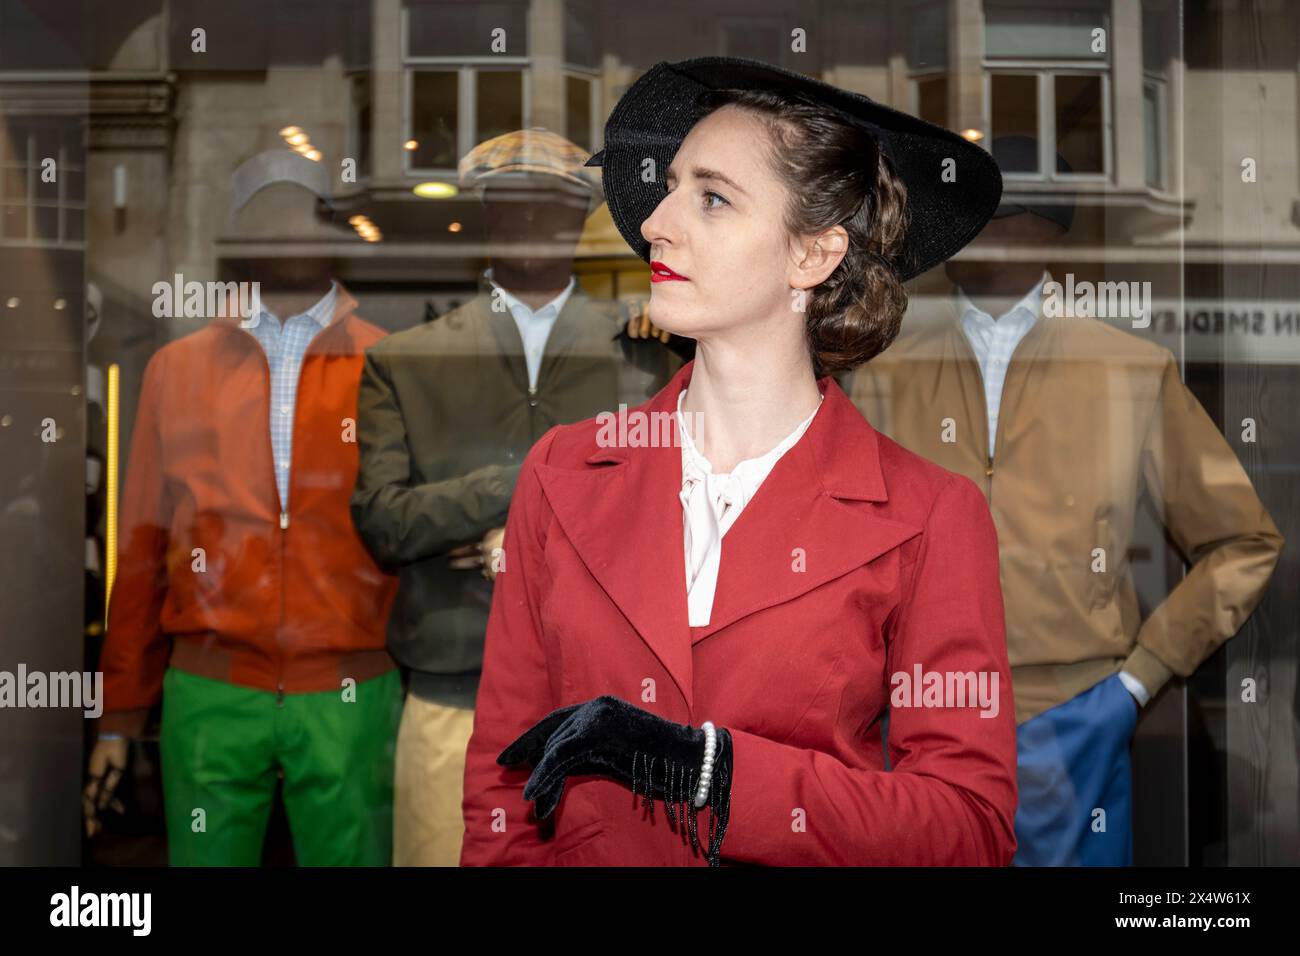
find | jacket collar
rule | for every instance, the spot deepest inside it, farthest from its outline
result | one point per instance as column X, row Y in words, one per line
column 344, row 305
column 622, row 514
column 845, row 446
column 574, row 321
column 1042, row 326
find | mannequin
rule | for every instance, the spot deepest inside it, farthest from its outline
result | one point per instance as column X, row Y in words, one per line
column 266, row 640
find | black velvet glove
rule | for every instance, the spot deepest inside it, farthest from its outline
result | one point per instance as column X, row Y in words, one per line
column 609, row 736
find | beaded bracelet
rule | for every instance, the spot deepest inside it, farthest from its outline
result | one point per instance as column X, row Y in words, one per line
column 706, row 771
column 680, row 780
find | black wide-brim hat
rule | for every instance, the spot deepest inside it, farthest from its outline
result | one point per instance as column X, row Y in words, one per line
column 659, row 109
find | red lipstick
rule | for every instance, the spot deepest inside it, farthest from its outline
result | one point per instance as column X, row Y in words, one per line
column 661, row 273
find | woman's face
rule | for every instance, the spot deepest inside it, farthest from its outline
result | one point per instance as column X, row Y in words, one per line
column 720, row 227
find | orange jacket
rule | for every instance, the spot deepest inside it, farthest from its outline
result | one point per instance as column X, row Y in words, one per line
column 212, row 576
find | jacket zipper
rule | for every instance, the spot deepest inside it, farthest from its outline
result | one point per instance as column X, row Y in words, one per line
column 984, row 416
column 284, row 515
column 984, row 405
column 282, row 507
column 279, row 685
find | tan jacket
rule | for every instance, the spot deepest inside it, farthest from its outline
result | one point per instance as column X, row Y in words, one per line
column 1091, row 417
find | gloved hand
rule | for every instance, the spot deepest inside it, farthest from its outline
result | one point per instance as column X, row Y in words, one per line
column 609, row 736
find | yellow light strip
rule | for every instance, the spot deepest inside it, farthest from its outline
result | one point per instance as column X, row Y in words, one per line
column 110, row 515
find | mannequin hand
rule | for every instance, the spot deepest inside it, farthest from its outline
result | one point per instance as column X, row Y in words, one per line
column 609, row 736
column 488, row 550
column 465, row 557
column 107, row 764
column 478, row 555
column 639, row 325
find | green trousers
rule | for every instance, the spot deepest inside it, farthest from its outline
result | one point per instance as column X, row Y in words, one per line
column 222, row 747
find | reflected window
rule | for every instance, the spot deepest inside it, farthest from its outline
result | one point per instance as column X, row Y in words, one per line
column 927, row 59
column 927, row 36
column 1079, row 124
column 466, row 79
column 42, row 183
column 466, row 28
column 583, row 116
column 932, row 99
column 435, row 119
column 1014, row 109
column 498, row 103
column 1065, row 31
column 1161, row 51
column 1048, row 77
column 359, row 122
column 579, row 110
column 1153, row 132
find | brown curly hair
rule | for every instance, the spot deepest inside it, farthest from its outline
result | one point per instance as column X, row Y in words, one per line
column 836, row 176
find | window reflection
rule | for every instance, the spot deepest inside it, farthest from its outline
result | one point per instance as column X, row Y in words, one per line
column 120, row 137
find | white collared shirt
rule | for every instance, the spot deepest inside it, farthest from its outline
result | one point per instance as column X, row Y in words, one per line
column 534, row 325
column 286, row 345
column 710, row 506
column 994, row 341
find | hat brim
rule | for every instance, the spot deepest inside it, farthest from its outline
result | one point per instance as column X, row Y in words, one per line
column 953, row 185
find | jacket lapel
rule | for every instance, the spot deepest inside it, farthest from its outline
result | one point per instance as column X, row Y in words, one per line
column 623, row 516
column 575, row 322
column 509, row 350
column 802, row 528
column 1025, row 359
column 570, row 336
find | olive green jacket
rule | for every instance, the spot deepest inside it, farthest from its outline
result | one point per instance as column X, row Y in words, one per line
column 445, row 418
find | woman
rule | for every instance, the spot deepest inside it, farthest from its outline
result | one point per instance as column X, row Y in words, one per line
column 722, row 621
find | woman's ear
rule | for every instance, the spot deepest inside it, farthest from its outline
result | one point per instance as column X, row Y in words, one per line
column 815, row 257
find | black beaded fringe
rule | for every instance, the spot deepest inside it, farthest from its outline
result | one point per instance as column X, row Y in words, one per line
column 678, row 793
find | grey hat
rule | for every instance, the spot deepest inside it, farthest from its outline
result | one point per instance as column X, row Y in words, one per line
column 277, row 166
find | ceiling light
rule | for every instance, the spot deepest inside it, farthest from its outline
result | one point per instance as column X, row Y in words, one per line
column 434, row 190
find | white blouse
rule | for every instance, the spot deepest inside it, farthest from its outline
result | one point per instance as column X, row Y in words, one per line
column 710, row 505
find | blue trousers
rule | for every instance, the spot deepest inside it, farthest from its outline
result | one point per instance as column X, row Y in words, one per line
column 1075, row 781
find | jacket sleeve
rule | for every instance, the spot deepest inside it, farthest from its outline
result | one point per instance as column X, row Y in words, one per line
column 950, row 796
column 514, row 691
column 402, row 522
column 1210, row 508
column 135, row 651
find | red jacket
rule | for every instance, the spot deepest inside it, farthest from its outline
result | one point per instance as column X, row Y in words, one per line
column 288, row 602
column 856, row 560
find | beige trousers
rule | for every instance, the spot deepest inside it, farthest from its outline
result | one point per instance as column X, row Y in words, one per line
column 428, row 825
